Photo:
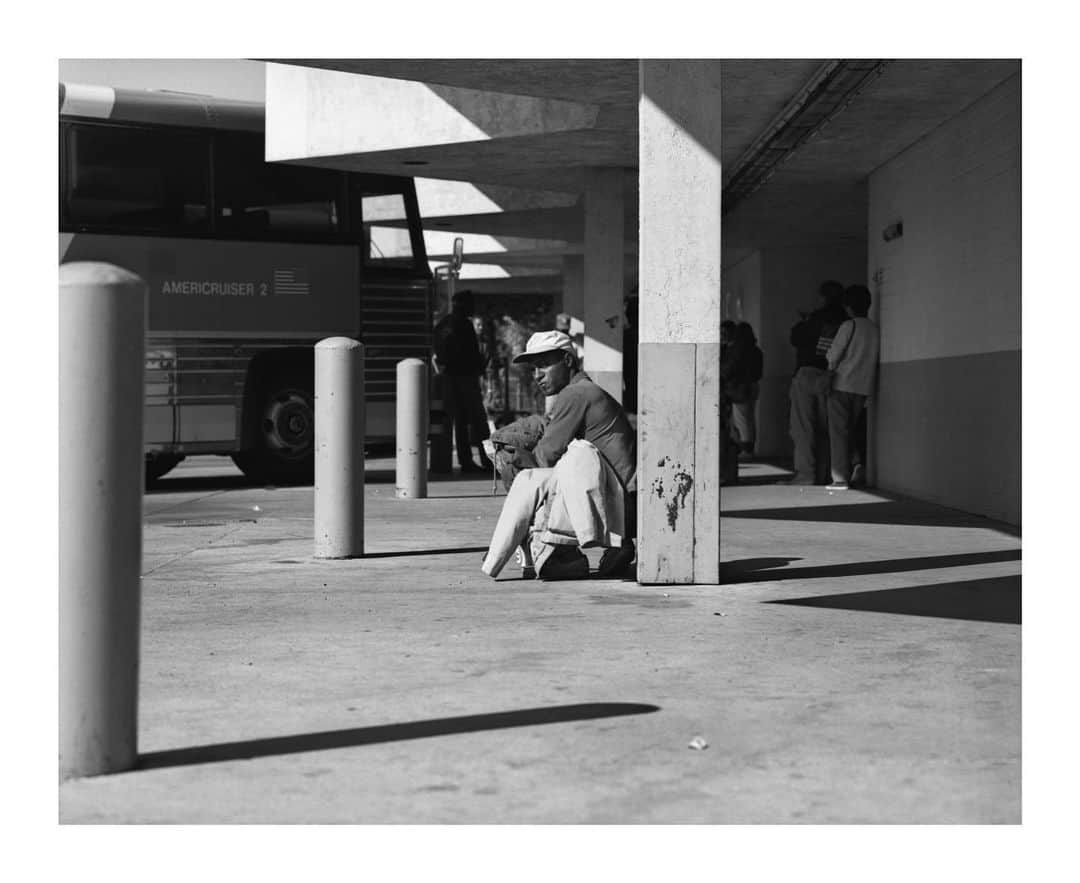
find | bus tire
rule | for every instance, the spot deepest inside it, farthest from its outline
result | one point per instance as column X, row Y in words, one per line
column 158, row 465
column 284, row 442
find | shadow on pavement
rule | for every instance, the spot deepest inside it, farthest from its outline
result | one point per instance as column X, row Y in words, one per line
column 761, row 570
column 446, row 726
column 187, row 483
column 983, row 600
column 457, row 551
column 884, row 512
column 759, row 480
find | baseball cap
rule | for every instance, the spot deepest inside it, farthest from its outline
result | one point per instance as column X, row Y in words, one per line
column 545, row 342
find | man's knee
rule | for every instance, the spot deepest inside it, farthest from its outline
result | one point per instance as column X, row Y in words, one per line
column 528, row 480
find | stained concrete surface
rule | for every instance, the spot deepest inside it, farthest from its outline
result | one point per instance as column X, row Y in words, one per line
column 861, row 664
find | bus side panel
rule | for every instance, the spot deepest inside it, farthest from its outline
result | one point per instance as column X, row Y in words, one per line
column 213, row 306
column 264, row 288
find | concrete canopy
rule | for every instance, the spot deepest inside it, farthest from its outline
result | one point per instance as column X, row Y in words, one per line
column 523, row 132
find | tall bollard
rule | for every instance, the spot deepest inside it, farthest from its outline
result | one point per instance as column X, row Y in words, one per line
column 339, row 448
column 102, row 353
column 412, row 429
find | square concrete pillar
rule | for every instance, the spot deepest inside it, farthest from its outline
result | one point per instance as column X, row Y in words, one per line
column 573, row 296
column 679, row 420
column 604, row 223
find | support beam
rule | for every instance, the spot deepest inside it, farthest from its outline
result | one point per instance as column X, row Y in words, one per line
column 573, row 296
column 604, row 278
column 679, row 313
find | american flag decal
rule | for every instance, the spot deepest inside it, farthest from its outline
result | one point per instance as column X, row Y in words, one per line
column 292, row 280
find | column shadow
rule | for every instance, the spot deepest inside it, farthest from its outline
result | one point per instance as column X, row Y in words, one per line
column 996, row 599
column 473, row 723
column 885, row 512
column 761, row 570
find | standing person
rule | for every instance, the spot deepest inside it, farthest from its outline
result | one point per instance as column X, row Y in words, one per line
column 750, row 365
column 574, row 474
column 459, row 360
column 853, row 359
column 629, row 354
column 729, row 452
column 812, row 337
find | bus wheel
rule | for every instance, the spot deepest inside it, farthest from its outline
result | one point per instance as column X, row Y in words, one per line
column 285, row 443
column 158, row 465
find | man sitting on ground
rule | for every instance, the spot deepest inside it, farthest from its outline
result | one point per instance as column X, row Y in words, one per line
column 574, row 488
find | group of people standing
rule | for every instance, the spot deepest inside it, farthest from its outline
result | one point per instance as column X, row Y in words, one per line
column 836, row 357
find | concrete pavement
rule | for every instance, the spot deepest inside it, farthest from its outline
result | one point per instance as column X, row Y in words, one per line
column 861, row 664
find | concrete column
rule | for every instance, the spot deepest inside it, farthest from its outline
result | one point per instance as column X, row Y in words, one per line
column 339, row 448
column 411, row 430
column 102, row 353
column 679, row 421
column 573, row 295
column 604, row 277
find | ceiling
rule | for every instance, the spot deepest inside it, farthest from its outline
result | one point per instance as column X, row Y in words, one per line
column 819, row 191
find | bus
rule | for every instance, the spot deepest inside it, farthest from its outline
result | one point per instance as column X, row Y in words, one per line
column 248, row 265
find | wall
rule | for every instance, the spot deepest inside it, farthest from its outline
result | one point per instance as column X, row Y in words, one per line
column 946, row 426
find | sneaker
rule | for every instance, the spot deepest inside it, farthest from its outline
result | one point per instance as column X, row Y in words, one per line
column 837, row 486
column 527, row 570
column 615, row 563
column 858, row 475
column 571, row 564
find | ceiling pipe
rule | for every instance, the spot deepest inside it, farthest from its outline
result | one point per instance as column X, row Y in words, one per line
column 832, row 88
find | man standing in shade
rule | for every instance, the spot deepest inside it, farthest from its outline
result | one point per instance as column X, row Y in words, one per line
column 459, row 361
column 812, row 338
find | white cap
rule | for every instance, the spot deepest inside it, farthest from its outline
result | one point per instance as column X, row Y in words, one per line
column 546, row 342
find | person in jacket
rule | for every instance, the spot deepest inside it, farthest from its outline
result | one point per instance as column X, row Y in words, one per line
column 741, row 375
column 573, row 474
column 853, row 361
column 459, row 360
column 810, row 386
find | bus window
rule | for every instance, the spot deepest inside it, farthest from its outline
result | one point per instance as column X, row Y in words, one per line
column 386, row 239
column 121, row 178
column 260, row 200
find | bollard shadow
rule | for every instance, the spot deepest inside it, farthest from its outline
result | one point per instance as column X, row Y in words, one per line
column 170, row 484
column 460, row 550
column 389, row 476
column 446, row 726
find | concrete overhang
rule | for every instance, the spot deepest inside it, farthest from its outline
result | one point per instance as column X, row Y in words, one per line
column 333, row 119
column 530, row 175
column 819, row 192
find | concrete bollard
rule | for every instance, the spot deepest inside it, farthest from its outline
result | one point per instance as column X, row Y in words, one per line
column 412, row 429
column 102, row 354
column 339, row 448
